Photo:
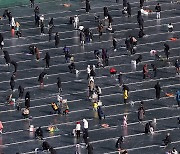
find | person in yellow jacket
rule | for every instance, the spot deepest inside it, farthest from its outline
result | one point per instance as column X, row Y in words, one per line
column 55, row 107
column 125, row 93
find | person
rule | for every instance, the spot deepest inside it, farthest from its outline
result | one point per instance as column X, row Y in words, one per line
column 115, row 44
column 47, row 58
column 120, row 78
column 27, row 99
column 141, row 3
column 86, row 125
column 105, row 9
column 12, row 82
column 59, row 84
column 167, row 139
column 88, row 71
column 7, row 57
column 13, row 24
column 55, row 107
column 158, row 90
column 170, row 27
column 45, row 145
column 82, row 37
column 110, row 20
column 166, row 50
column 100, row 29
column 141, row 113
column 124, row 4
column 37, row 53
column 90, row 148
column 72, row 67
column 56, row 40
column 50, row 28
column 66, row 53
column 129, row 9
column 32, row 3
column 39, row 133
column 21, row 91
column 105, row 57
column 100, row 113
column 149, row 128
column 78, row 129
column 1, row 41
column 154, row 69
column 139, row 59
column 15, row 66
column 125, row 120
column 158, row 10
column 125, row 93
column 145, row 71
column 1, row 127
column 119, row 143
column 42, row 26
column 98, row 91
column 41, row 78
column 76, row 21
column 88, row 7
column 25, row 113
column 178, row 98
column 177, row 65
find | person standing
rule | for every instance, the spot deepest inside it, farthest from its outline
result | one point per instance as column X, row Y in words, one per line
column 27, row 100
column 177, row 65
column 119, row 143
column 141, row 3
column 37, row 53
column 21, row 91
column 141, row 113
column 12, row 82
column 76, row 21
column 154, row 69
column 78, row 129
column 90, row 148
column 167, row 140
column 50, row 28
column 13, row 24
column 120, row 78
column 86, row 125
column 158, row 90
column 129, row 9
column 145, row 71
column 7, row 57
column 47, row 58
column 59, row 85
column 88, row 7
column 56, row 40
column 105, row 9
column 1, row 41
column 158, row 11
column 125, row 93
column 166, row 50
column 41, row 79
column 115, row 44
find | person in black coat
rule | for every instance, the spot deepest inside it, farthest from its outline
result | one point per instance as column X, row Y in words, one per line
column 39, row 133
column 105, row 12
column 7, row 57
column 167, row 140
column 27, row 99
column 166, row 50
column 128, row 9
column 21, row 91
column 88, row 7
column 15, row 66
column 1, row 41
column 12, row 83
column 50, row 26
column 56, row 39
column 158, row 90
column 59, row 84
column 100, row 113
column 115, row 44
column 47, row 58
column 119, row 143
column 141, row 3
column 141, row 33
column 41, row 78
column 124, row 4
column 90, row 148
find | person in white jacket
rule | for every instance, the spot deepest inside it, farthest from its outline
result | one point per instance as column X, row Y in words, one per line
column 86, row 125
column 78, row 129
column 76, row 21
column 88, row 71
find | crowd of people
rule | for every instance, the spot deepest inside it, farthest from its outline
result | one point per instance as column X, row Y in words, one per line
column 104, row 25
